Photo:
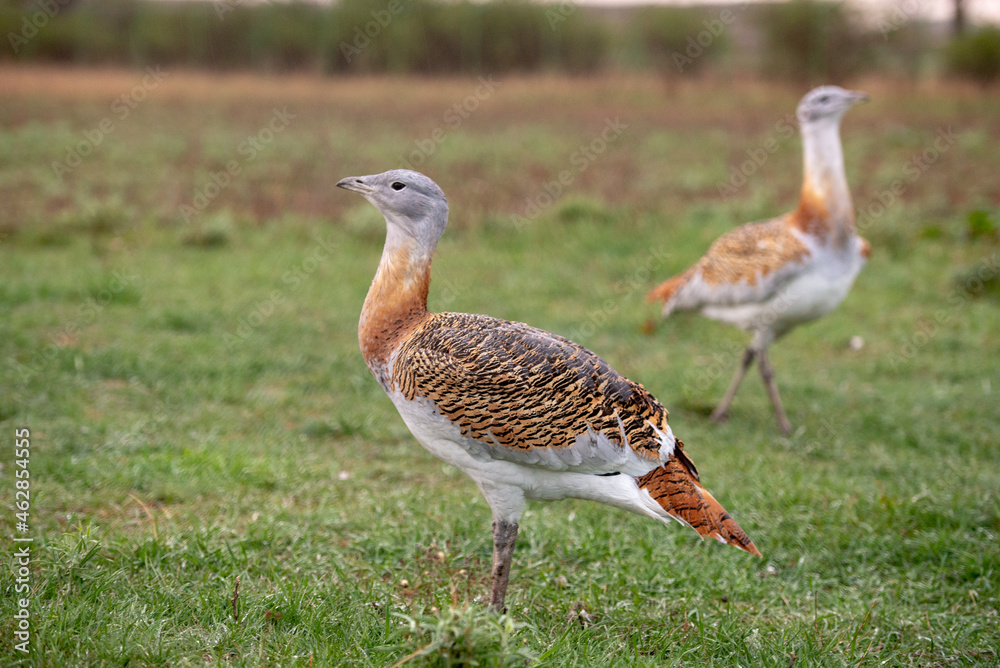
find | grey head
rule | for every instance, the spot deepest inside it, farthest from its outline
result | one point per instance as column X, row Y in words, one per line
column 407, row 199
column 827, row 103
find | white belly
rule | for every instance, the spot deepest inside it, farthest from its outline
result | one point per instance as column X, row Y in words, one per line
column 815, row 291
column 507, row 485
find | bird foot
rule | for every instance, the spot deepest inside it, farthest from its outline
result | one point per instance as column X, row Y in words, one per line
column 719, row 417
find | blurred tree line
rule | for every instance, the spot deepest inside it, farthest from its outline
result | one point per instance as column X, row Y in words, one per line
column 801, row 39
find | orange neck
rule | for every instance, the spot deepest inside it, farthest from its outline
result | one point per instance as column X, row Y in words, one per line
column 825, row 207
column 396, row 303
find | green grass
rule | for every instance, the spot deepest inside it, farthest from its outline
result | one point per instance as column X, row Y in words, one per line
column 200, row 412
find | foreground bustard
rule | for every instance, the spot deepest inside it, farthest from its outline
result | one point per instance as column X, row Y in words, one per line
column 525, row 413
column 770, row 276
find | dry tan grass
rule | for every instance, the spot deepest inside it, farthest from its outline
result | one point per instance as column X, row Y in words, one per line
column 349, row 125
column 573, row 94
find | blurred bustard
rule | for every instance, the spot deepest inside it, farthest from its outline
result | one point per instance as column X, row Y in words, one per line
column 525, row 413
column 770, row 276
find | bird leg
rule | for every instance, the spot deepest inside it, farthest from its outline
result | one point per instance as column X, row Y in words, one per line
column 504, row 537
column 722, row 412
column 767, row 373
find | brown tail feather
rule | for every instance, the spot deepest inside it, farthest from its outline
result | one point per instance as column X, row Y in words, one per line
column 677, row 491
column 665, row 290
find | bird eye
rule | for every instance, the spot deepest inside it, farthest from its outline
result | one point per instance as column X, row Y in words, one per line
column 824, row 98
column 396, row 185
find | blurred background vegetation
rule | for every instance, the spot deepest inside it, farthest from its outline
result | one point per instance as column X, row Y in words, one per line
column 803, row 40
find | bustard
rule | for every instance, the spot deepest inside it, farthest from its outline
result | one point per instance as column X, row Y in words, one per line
column 770, row 276
column 528, row 415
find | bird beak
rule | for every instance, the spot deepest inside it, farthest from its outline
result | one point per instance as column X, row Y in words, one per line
column 355, row 183
column 859, row 96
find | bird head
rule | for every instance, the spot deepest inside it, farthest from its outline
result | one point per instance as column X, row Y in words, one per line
column 407, row 199
column 827, row 103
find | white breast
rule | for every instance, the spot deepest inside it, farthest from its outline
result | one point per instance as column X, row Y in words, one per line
column 507, row 483
column 820, row 286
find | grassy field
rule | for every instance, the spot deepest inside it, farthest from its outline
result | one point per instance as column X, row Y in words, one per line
column 178, row 313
